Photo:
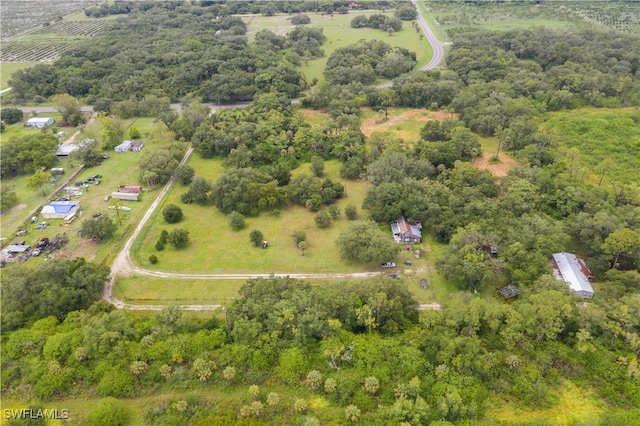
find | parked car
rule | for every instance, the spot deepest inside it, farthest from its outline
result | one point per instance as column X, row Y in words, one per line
column 65, row 198
column 97, row 182
column 89, row 180
column 105, row 155
column 36, row 252
column 388, row 265
column 78, row 184
column 22, row 232
column 97, row 176
column 396, row 276
column 34, row 219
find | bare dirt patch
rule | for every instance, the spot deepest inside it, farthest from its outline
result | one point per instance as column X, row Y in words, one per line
column 499, row 169
column 16, row 209
column 370, row 125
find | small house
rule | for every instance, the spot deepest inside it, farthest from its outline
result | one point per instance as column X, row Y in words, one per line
column 59, row 209
column 126, row 196
column 136, row 146
column 130, row 188
column 573, row 272
column 124, row 146
column 406, row 232
column 39, row 122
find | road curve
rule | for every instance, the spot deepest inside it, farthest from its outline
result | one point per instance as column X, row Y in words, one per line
column 436, row 45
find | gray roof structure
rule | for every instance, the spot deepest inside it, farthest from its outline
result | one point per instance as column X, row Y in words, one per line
column 16, row 248
column 574, row 272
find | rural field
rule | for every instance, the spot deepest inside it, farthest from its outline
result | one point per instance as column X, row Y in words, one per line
column 339, row 33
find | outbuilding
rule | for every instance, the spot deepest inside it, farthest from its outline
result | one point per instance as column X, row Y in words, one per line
column 126, row 196
column 39, row 122
column 573, row 272
column 124, row 146
column 59, row 209
column 130, row 188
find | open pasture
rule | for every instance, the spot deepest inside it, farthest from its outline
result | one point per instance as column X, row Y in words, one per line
column 337, row 29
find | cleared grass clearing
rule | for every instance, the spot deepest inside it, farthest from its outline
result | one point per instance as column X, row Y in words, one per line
column 575, row 406
column 6, row 69
column 142, row 290
column 215, row 248
column 339, row 33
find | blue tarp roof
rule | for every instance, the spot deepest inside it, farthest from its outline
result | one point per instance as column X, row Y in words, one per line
column 63, row 208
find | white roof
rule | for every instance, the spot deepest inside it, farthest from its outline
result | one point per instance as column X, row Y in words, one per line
column 570, row 271
column 39, row 120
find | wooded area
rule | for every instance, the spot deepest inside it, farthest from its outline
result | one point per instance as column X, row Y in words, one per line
column 561, row 102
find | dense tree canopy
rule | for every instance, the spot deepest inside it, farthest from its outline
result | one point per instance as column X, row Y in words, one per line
column 54, row 288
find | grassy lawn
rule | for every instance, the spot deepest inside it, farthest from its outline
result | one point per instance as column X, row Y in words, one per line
column 144, row 290
column 339, row 33
column 6, row 69
column 215, row 248
column 575, row 405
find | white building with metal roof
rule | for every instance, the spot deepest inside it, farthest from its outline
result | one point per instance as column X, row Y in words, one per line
column 574, row 272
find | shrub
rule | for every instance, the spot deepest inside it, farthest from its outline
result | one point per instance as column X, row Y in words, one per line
column 256, row 237
column 153, row 259
column 172, row 213
column 299, row 236
column 351, row 212
column 11, row 115
column 179, row 238
column 164, row 236
column 117, row 384
column 300, row 20
column 185, row 174
column 323, row 219
column 236, row 221
column 109, row 412
column 334, row 211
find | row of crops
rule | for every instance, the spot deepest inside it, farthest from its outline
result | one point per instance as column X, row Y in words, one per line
column 623, row 16
column 72, row 28
column 48, row 42
column 32, row 51
column 19, row 16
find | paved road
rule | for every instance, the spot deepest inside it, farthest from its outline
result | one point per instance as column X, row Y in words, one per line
column 436, row 45
column 89, row 108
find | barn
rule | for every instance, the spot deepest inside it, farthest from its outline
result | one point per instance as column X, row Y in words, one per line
column 59, row 209
column 124, row 146
column 127, row 196
column 39, row 122
column 406, row 232
column 573, row 272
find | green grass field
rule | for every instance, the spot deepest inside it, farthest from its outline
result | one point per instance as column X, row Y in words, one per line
column 6, row 69
column 224, row 250
column 339, row 33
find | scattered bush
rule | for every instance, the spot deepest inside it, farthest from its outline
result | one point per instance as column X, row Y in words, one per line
column 179, row 238
column 153, row 259
column 11, row 115
column 256, row 237
column 109, row 412
column 300, row 20
column 351, row 212
column 323, row 219
column 299, row 236
column 185, row 174
column 334, row 211
column 236, row 221
column 172, row 213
